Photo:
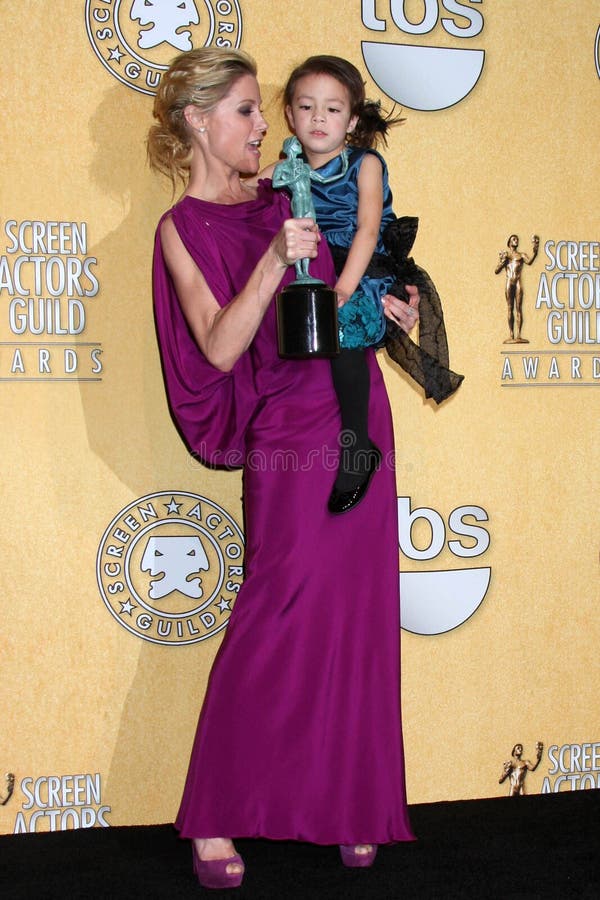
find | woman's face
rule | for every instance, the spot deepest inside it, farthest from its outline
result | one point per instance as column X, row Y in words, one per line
column 235, row 127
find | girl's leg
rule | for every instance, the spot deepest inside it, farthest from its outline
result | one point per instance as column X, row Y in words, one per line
column 352, row 384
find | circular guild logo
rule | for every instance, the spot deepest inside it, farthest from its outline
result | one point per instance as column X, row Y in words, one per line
column 169, row 567
column 137, row 39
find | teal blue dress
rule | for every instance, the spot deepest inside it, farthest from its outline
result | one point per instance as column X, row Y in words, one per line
column 335, row 198
column 361, row 319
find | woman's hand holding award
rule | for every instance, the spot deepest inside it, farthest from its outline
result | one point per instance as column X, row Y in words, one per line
column 307, row 323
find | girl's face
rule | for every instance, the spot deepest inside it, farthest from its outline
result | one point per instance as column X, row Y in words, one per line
column 234, row 128
column 320, row 117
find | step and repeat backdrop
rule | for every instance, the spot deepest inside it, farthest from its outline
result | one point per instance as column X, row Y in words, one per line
column 105, row 651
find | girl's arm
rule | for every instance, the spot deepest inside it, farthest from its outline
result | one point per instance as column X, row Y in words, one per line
column 224, row 333
column 368, row 223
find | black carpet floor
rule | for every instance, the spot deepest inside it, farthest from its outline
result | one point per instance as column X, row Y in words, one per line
column 542, row 846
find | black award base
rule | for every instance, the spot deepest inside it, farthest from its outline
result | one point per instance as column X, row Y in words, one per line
column 307, row 322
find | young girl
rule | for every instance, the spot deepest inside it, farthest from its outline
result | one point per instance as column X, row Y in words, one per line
column 327, row 110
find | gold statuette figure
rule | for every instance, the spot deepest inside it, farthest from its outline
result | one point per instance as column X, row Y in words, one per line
column 513, row 260
column 517, row 768
column 10, row 786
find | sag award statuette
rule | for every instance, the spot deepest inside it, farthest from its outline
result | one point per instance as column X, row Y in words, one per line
column 307, row 323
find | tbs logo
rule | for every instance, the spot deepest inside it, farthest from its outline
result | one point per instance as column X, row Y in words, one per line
column 422, row 76
column 437, row 601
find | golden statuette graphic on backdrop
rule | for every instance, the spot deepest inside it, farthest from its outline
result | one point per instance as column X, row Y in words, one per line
column 512, row 261
column 516, row 769
column 9, row 779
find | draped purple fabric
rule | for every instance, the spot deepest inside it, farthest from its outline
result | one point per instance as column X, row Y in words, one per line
column 299, row 736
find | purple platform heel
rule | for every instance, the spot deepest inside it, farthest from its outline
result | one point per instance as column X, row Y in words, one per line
column 212, row 873
column 355, row 860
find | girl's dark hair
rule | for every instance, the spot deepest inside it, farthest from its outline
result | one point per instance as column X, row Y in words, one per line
column 373, row 122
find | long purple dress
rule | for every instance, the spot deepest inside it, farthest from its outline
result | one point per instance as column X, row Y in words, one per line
column 299, row 737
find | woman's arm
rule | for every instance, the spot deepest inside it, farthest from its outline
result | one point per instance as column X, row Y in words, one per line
column 224, row 333
column 368, row 223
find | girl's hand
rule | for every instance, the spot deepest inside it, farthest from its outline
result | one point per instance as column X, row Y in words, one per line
column 406, row 315
column 342, row 296
column 296, row 239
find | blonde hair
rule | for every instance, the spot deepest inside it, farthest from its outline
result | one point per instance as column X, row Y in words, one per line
column 200, row 78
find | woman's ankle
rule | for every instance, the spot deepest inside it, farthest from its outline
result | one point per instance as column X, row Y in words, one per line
column 214, row 848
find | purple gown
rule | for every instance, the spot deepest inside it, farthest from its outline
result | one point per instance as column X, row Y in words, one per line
column 299, row 737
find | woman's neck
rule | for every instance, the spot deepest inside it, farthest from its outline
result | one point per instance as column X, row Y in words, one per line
column 227, row 188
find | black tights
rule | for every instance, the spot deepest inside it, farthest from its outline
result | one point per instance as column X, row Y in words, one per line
column 352, row 383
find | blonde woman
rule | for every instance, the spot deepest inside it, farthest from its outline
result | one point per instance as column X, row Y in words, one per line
column 299, row 736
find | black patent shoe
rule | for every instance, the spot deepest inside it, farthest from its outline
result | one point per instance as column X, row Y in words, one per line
column 342, row 501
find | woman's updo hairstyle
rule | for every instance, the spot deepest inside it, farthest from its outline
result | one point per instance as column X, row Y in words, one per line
column 200, row 78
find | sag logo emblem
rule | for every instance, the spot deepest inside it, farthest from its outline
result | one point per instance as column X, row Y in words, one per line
column 169, row 567
column 137, row 39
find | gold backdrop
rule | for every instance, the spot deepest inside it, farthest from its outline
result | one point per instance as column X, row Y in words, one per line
column 498, row 488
